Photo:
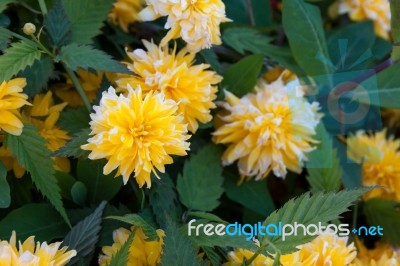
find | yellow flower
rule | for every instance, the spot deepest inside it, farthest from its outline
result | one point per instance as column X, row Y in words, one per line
column 136, row 134
column 381, row 255
column 193, row 87
column 195, row 21
column 90, row 83
column 236, row 258
column 376, row 10
column 125, row 12
column 141, row 252
column 11, row 99
column 10, row 163
column 27, row 253
column 44, row 115
column 325, row 250
column 380, row 158
column 270, row 129
column 275, row 73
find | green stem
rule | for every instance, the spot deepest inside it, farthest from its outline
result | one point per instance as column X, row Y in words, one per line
column 41, row 46
column 79, row 88
column 43, row 7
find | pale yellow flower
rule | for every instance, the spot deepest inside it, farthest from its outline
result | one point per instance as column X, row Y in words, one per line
column 381, row 255
column 27, row 253
column 325, row 250
column 380, row 158
column 376, row 10
column 195, row 21
column 275, row 73
column 141, row 252
column 44, row 115
column 125, row 12
column 191, row 86
column 237, row 257
column 11, row 100
column 270, row 129
column 136, row 134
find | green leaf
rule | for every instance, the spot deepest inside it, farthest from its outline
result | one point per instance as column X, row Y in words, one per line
column 135, row 219
column 5, row 36
column 212, row 59
column 121, row 257
column 36, row 219
column 395, row 28
column 86, row 17
column 303, row 27
column 261, row 10
column 65, row 182
column 84, row 235
column 109, row 226
column 206, row 215
column 323, row 166
column 74, row 120
column 37, row 76
column 5, row 197
column 253, row 195
column 241, row 77
column 386, row 214
column 249, row 39
column 163, row 199
column 212, row 256
column 73, row 147
column 84, row 56
column 349, row 50
column 178, row 249
column 57, row 25
column 79, row 193
column 16, row 58
column 31, row 152
column 4, row 3
column 99, row 186
column 308, row 209
column 200, row 185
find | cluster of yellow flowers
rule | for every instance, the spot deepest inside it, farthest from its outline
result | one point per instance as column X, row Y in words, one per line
column 141, row 252
column 27, row 253
column 43, row 114
column 325, row 250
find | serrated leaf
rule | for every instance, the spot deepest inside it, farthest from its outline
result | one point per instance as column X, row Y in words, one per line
column 323, row 166
column 303, row 26
column 84, row 56
column 74, row 120
column 37, row 76
column 31, row 152
column 386, row 214
column 5, row 36
column 35, row 219
column 99, row 186
column 249, row 39
column 57, row 25
column 16, row 58
column 200, row 185
column 253, row 195
column 73, row 147
column 135, row 219
column 241, row 77
column 4, row 3
column 121, row 257
column 84, row 235
column 163, row 199
column 177, row 248
column 108, row 225
column 5, row 197
column 308, row 209
column 86, row 17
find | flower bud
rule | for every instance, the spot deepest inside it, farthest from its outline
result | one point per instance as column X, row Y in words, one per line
column 29, row 29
